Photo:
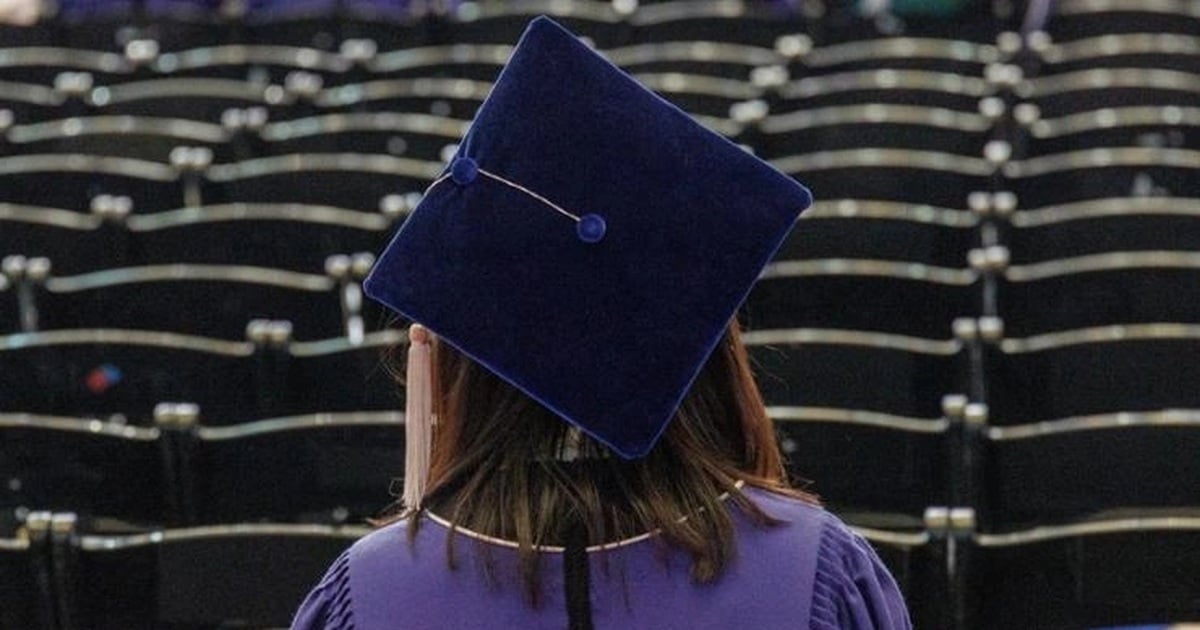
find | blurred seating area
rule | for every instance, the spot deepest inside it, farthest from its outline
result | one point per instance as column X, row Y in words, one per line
column 981, row 345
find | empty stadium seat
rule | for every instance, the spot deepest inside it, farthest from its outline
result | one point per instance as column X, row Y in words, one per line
column 198, row 577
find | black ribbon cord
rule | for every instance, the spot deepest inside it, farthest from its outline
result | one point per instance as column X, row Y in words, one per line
column 576, row 577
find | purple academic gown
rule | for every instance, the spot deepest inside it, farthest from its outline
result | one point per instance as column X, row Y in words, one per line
column 812, row 572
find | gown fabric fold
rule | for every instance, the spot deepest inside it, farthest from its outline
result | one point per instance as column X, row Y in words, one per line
column 810, row 572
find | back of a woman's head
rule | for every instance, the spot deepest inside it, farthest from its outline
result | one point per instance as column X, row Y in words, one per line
column 504, row 465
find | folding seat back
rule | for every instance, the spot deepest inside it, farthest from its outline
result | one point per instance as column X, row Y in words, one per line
column 248, row 575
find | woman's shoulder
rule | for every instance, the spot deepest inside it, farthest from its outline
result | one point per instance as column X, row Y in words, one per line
column 389, row 555
column 798, row 515
column 351, row 593
column 851, row 587
column 785, row 501
column 382, row 539
column 806, row 515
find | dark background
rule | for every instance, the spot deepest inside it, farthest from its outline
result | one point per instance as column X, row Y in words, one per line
column 980, row 345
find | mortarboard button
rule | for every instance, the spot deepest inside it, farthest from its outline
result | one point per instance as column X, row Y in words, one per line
column 591, row 228
column 464, row 171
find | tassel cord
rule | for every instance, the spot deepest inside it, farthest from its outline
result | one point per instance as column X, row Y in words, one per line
column 418, row 417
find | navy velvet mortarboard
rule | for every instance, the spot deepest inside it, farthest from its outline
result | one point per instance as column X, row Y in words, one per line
column 589, row 243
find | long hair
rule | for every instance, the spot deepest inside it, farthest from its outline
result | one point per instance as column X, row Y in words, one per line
column 498, row 466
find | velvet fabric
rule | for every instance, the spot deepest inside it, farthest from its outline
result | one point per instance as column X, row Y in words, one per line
column 607, row 334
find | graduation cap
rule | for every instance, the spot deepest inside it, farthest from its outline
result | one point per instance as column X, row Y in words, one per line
column 589, row 242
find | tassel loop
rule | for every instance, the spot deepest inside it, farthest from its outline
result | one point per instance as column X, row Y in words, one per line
column 418, row 416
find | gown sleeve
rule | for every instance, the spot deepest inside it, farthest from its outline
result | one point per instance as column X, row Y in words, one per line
column 853, row 590
column 327, row 606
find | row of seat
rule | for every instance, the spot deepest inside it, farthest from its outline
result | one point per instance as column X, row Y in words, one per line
column 183, row 24
column 689, row 72
column 245, row 134
column 1075, row 292
column 846, row 413
column 1043, row 377
column 796, row 53
column 58, row 573
column 919, row 178
column 107, row 372
column 132, row 235
column 332, row 468
column 1038, row 385
column 852, row 21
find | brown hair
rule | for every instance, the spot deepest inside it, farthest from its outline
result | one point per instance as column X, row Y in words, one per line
column 494, row 467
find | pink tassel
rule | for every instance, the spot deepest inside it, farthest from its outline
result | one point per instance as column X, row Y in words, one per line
column 418, row 416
